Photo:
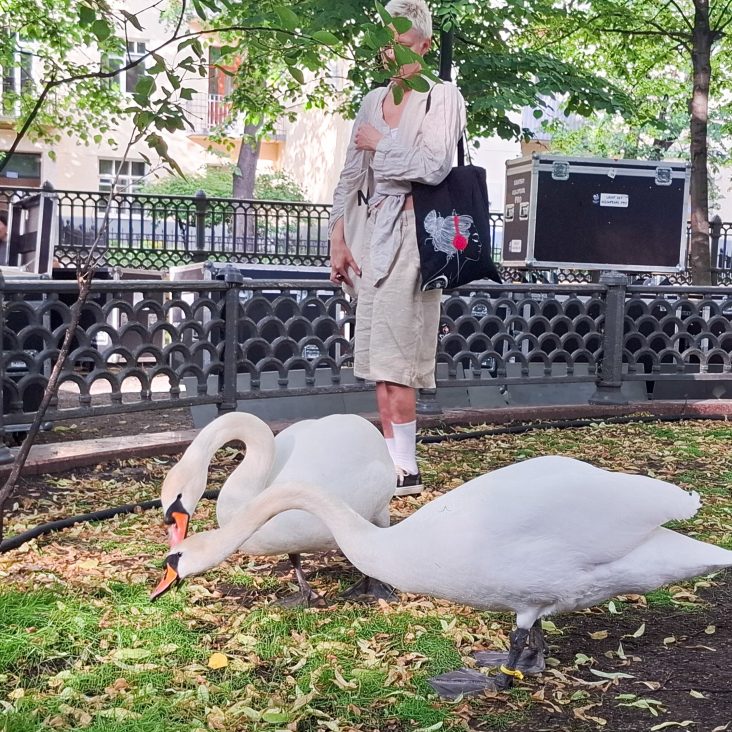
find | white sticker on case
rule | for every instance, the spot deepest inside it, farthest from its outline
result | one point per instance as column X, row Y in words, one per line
column 614, row 200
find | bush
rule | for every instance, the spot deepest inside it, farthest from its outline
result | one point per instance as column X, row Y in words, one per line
column 216, row 182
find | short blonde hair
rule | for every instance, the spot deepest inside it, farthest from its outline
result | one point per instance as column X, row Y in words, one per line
column 414, row 10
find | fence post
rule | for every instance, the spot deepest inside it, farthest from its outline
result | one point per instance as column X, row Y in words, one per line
column 201, row 202
column 427, row 402
column 610, row 376
column 6, row 456
column 234, row 279
column 715, row 231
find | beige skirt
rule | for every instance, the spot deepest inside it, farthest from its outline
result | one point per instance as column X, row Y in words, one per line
column 396, row 323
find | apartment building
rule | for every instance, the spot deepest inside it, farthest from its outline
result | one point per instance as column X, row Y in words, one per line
column 311, row 149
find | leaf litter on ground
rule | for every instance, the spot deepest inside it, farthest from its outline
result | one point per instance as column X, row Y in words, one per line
column 82, row 647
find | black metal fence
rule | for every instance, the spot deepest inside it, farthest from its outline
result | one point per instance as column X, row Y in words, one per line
column 157, row 232
column 146, row 345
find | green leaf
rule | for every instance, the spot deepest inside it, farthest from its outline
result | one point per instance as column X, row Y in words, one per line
column 132, row 19
column 401, row 25
column 296, row 74
column 86, row 15
column 383, row 14
column 200, row 11
column 404, row 55
column 275, row 716
column 398, row 93
column 418, row 83
column 144, row 87
column 159, row 66
column 100, row 28
column 288, row 19
column 325, row 37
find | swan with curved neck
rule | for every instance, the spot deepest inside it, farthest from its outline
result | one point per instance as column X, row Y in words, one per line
column 543, row 536
column 344, row 454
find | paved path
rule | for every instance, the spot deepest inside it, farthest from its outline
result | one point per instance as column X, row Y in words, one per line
column 55, row 457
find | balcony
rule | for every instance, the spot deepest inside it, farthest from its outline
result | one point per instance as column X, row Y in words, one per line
column 209, row 113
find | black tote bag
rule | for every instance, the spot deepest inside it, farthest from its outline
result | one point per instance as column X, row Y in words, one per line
column 453, row 228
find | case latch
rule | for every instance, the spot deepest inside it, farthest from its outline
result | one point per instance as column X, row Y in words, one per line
column 560, row 171
column 663, row 176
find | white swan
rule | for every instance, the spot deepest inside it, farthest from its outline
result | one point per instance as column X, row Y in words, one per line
column 547, row 535
column 343, row 454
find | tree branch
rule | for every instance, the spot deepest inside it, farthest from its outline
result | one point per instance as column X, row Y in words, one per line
column 680, row 10
column 5, row 159
column 131, row 64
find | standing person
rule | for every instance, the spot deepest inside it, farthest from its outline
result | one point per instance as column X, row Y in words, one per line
column 396, row 323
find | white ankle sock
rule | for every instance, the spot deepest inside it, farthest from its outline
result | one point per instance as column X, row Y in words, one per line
column 391, row 444
column 405, row 446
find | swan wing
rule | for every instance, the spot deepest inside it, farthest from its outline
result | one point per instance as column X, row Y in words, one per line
column 554, row 507
column 347, row 458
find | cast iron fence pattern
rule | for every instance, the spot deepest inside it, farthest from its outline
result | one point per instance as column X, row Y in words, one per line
column 674, row 331
column 180, row 344
column 156, row 232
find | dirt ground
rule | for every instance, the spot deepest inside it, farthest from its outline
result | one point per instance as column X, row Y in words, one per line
column 117, row 425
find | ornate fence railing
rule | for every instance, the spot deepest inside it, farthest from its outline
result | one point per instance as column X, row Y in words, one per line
column 146, row 345
column 156, row 232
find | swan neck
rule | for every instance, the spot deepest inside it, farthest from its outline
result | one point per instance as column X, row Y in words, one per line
column 357, row 538
column 252, row 431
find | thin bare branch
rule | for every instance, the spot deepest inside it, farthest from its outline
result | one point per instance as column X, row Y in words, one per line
column 5, row 158
column 689, row 23
column 84, row 277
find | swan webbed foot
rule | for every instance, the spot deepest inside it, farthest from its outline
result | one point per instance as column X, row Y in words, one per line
column 308, row 598
column 531, row 661
column 464, row 681
column 368, row 589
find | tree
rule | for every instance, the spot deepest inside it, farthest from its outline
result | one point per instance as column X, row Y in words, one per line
column 280, row 56
column 673, row 53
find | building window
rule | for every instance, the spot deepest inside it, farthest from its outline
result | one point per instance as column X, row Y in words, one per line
column 22, row 166
column 131, row 175
column 127, row 80
column 17, row 77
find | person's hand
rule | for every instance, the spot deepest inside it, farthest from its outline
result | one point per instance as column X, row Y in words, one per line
column 367, row 137
column 341, row 260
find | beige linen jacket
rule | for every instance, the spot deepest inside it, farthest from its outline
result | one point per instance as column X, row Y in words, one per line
column 423, row 150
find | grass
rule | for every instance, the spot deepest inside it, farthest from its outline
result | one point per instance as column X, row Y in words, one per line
column 81, row 646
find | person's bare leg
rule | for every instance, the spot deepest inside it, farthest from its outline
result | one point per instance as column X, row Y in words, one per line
column 384, row 405
column 402, row 402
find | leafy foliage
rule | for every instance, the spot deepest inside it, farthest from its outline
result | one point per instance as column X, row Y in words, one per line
column 216, row 183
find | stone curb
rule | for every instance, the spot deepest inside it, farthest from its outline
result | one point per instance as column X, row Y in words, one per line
column 60, row 456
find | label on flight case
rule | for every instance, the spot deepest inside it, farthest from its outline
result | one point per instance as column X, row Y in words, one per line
column 614, row 200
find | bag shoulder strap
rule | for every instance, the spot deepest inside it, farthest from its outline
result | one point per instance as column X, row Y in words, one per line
column 460, row 145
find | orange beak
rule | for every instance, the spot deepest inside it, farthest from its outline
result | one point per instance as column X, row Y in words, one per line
column 178, row 528
column 170, row 577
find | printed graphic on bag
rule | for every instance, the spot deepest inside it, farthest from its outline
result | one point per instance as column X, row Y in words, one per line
column 450, row 235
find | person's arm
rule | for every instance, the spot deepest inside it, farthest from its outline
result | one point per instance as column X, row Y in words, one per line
column 430, row 159
column 341, row 258
column 356, row 162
